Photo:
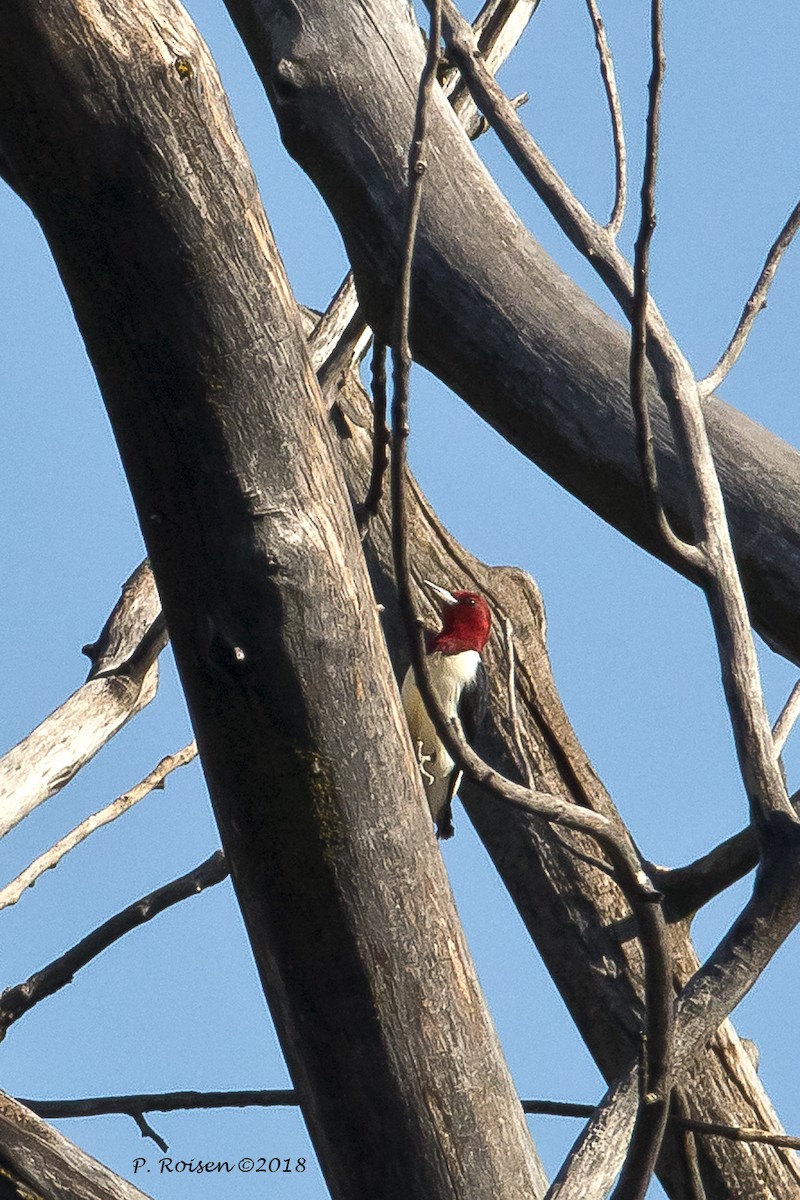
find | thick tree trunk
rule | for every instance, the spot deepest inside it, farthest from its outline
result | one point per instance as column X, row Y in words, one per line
column 494, row 317
column 128, row 157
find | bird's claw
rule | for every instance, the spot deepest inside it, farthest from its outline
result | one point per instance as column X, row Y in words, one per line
column 423, row 758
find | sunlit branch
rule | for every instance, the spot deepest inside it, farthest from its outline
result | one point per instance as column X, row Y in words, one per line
column 617, row 124
column 12, row 892
column 786, row 721
column 707, row 999
column 122, row 681
column 498, row 28
column 756, row 301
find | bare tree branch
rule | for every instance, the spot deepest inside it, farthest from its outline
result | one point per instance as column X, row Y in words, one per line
column 11, row 893
column 137, row 1103
column 707, row 999
column 380, row 438
column 787, row 718
column 145, row 1102
column 686, row 889
column 46, row 1164
column 333, row 323
column 761, row 775
column 655, row 1082
column 656, row 1076
column 617, row 124
column 580, row 924
column 123, row 679
column 498, row 28
column 16, row 1001
column 147, row 1131
column 756, row 301
column 639, row 305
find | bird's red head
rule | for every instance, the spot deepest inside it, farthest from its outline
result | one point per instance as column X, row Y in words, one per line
column 466, row 621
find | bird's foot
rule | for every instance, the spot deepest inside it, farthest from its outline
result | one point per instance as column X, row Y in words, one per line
column 423, row 758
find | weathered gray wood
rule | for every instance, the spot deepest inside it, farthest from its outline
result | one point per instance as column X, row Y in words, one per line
column 123, row 679
column 573, row 911
column 42, row 1159
column 129, row 159
column 494, row 317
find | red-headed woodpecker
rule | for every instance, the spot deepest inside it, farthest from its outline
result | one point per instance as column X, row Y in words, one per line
column 459, row 681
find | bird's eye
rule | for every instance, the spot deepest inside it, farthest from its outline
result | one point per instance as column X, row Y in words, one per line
column 471, row 602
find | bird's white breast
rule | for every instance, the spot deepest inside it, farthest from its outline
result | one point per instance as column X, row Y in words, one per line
column 449, row 674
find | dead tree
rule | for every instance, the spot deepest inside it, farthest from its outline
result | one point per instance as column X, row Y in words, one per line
column 241, row 480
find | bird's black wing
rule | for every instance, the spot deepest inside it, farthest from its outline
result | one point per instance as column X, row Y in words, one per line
column 473, row 705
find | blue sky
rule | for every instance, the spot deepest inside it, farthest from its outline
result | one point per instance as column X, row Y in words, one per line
column 177, row 1004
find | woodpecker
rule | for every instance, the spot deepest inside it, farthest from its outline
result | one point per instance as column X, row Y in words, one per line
column 459, row 681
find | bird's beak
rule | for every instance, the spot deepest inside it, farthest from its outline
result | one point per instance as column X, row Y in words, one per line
column 446, row 599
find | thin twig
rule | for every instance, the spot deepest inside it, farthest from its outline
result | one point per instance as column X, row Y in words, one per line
column 686, row 889
column 11, row 893
column 788, row 716
column 498, row 28
column 380, row 439
column 617, row 124
column 594, row 241
column 641, row 296
column 147, row 1131
column 540, row 804
column 629, row 873
column 656, row 1077
column 513, row 711
column 691, row 1158
column 712, row 561
column 149, row 1102
column 16, row 1001
column 756, row 301
column 122, row 680
column 707, row 999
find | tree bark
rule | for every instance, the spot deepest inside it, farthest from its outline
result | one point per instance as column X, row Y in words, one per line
column 493, row 316
column 37, row 1157
column 574, row 912
column 130, row 161
column 122, row 681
